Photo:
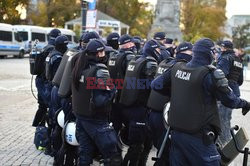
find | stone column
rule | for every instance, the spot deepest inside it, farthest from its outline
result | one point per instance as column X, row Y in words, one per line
column 167, row 19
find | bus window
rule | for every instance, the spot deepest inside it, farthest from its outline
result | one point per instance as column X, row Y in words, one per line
column 75, row 39
column 23, row 36
column 69, row 37
column 39, row 36
column 17, row 37
column 5, row 36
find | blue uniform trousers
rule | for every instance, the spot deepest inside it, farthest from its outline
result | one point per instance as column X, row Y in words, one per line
column 136, row 119
column 158, row 131
column 225, row 114
column 40, row 117
column 188, row 150
column 92, row 133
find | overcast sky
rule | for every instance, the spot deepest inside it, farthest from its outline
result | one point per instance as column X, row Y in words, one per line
column 234, row 7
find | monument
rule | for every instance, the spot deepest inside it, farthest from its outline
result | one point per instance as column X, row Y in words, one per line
column 167, row 19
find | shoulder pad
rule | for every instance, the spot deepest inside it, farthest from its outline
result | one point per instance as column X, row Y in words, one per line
column 150, row 58
column 211, row 67
column 71, row 52
column 181, row 60
column 113, row 53
column 129, row 56
column 170, row 58
column 151, row 64
column 55, row 57
column 218, row 74
column 137, row 57
column 48, row 48
column 102, row 73
column 128, row 52
column 151, row 68
column 220, row 80
column 165, row 61
column 101, row 65
column 55, row 53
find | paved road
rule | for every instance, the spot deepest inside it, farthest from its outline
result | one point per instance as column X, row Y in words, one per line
column 17, row 108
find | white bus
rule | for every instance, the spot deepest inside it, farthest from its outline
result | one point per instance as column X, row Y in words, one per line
column 29, row 33
column 9, row 44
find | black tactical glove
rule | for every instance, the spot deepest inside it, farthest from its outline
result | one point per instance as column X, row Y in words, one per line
column 246, row 108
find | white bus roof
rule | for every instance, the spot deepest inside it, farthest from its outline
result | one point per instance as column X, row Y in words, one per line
column 6, row 27
column 63, row 31
column 31, row 28
column 67, row 32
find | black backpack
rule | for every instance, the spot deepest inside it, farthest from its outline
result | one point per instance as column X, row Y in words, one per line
column 37, row 60
column 41, row 138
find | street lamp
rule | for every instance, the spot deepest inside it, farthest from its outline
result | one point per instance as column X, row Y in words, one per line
column 84, row 14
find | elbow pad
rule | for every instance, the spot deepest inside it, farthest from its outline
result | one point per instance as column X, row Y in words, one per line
column 221, row 81
column 150, row 68
column 103, row 78
column 129, row 57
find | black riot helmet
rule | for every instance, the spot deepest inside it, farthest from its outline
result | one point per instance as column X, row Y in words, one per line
column 95, row 46
column 150, row 49
column 54, row 33
column 112, row 40
column 61, row 43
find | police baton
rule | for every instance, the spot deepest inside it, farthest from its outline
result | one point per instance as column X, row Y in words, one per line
column 162, row 146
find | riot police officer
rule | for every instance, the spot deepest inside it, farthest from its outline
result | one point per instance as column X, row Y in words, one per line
column 142, row 42
column 160, row 38
column 126, row 43
column 157, row 101
column 193, row 115
column 170, row 46
column 81, row 45
column 52, row 63
column 134, row 97
column 232, row 67
column 92, row 94
column 54, row 58
column 117, row 65
column 153, row 48
column 112, row 40
column 67, row 153
column 138, row 44
column 89, row 36
column 41, row 81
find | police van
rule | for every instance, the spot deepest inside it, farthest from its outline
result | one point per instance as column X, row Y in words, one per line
column 28, row 34
column 9, row 41
column 67, row 32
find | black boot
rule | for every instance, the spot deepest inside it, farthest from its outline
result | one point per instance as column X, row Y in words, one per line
column 40, row 117
column 144, row 155
column 133, row 155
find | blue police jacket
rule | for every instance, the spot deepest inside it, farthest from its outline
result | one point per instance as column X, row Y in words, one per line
column 225, row 65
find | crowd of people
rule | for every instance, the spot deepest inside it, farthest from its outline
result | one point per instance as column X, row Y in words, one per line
column 114, row 92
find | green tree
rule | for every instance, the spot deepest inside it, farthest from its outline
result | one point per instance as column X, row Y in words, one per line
column 203, row 18
column 241, row 36
column 137, row 15
column 8, row 11
column 40, row 16
column 55, row 12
